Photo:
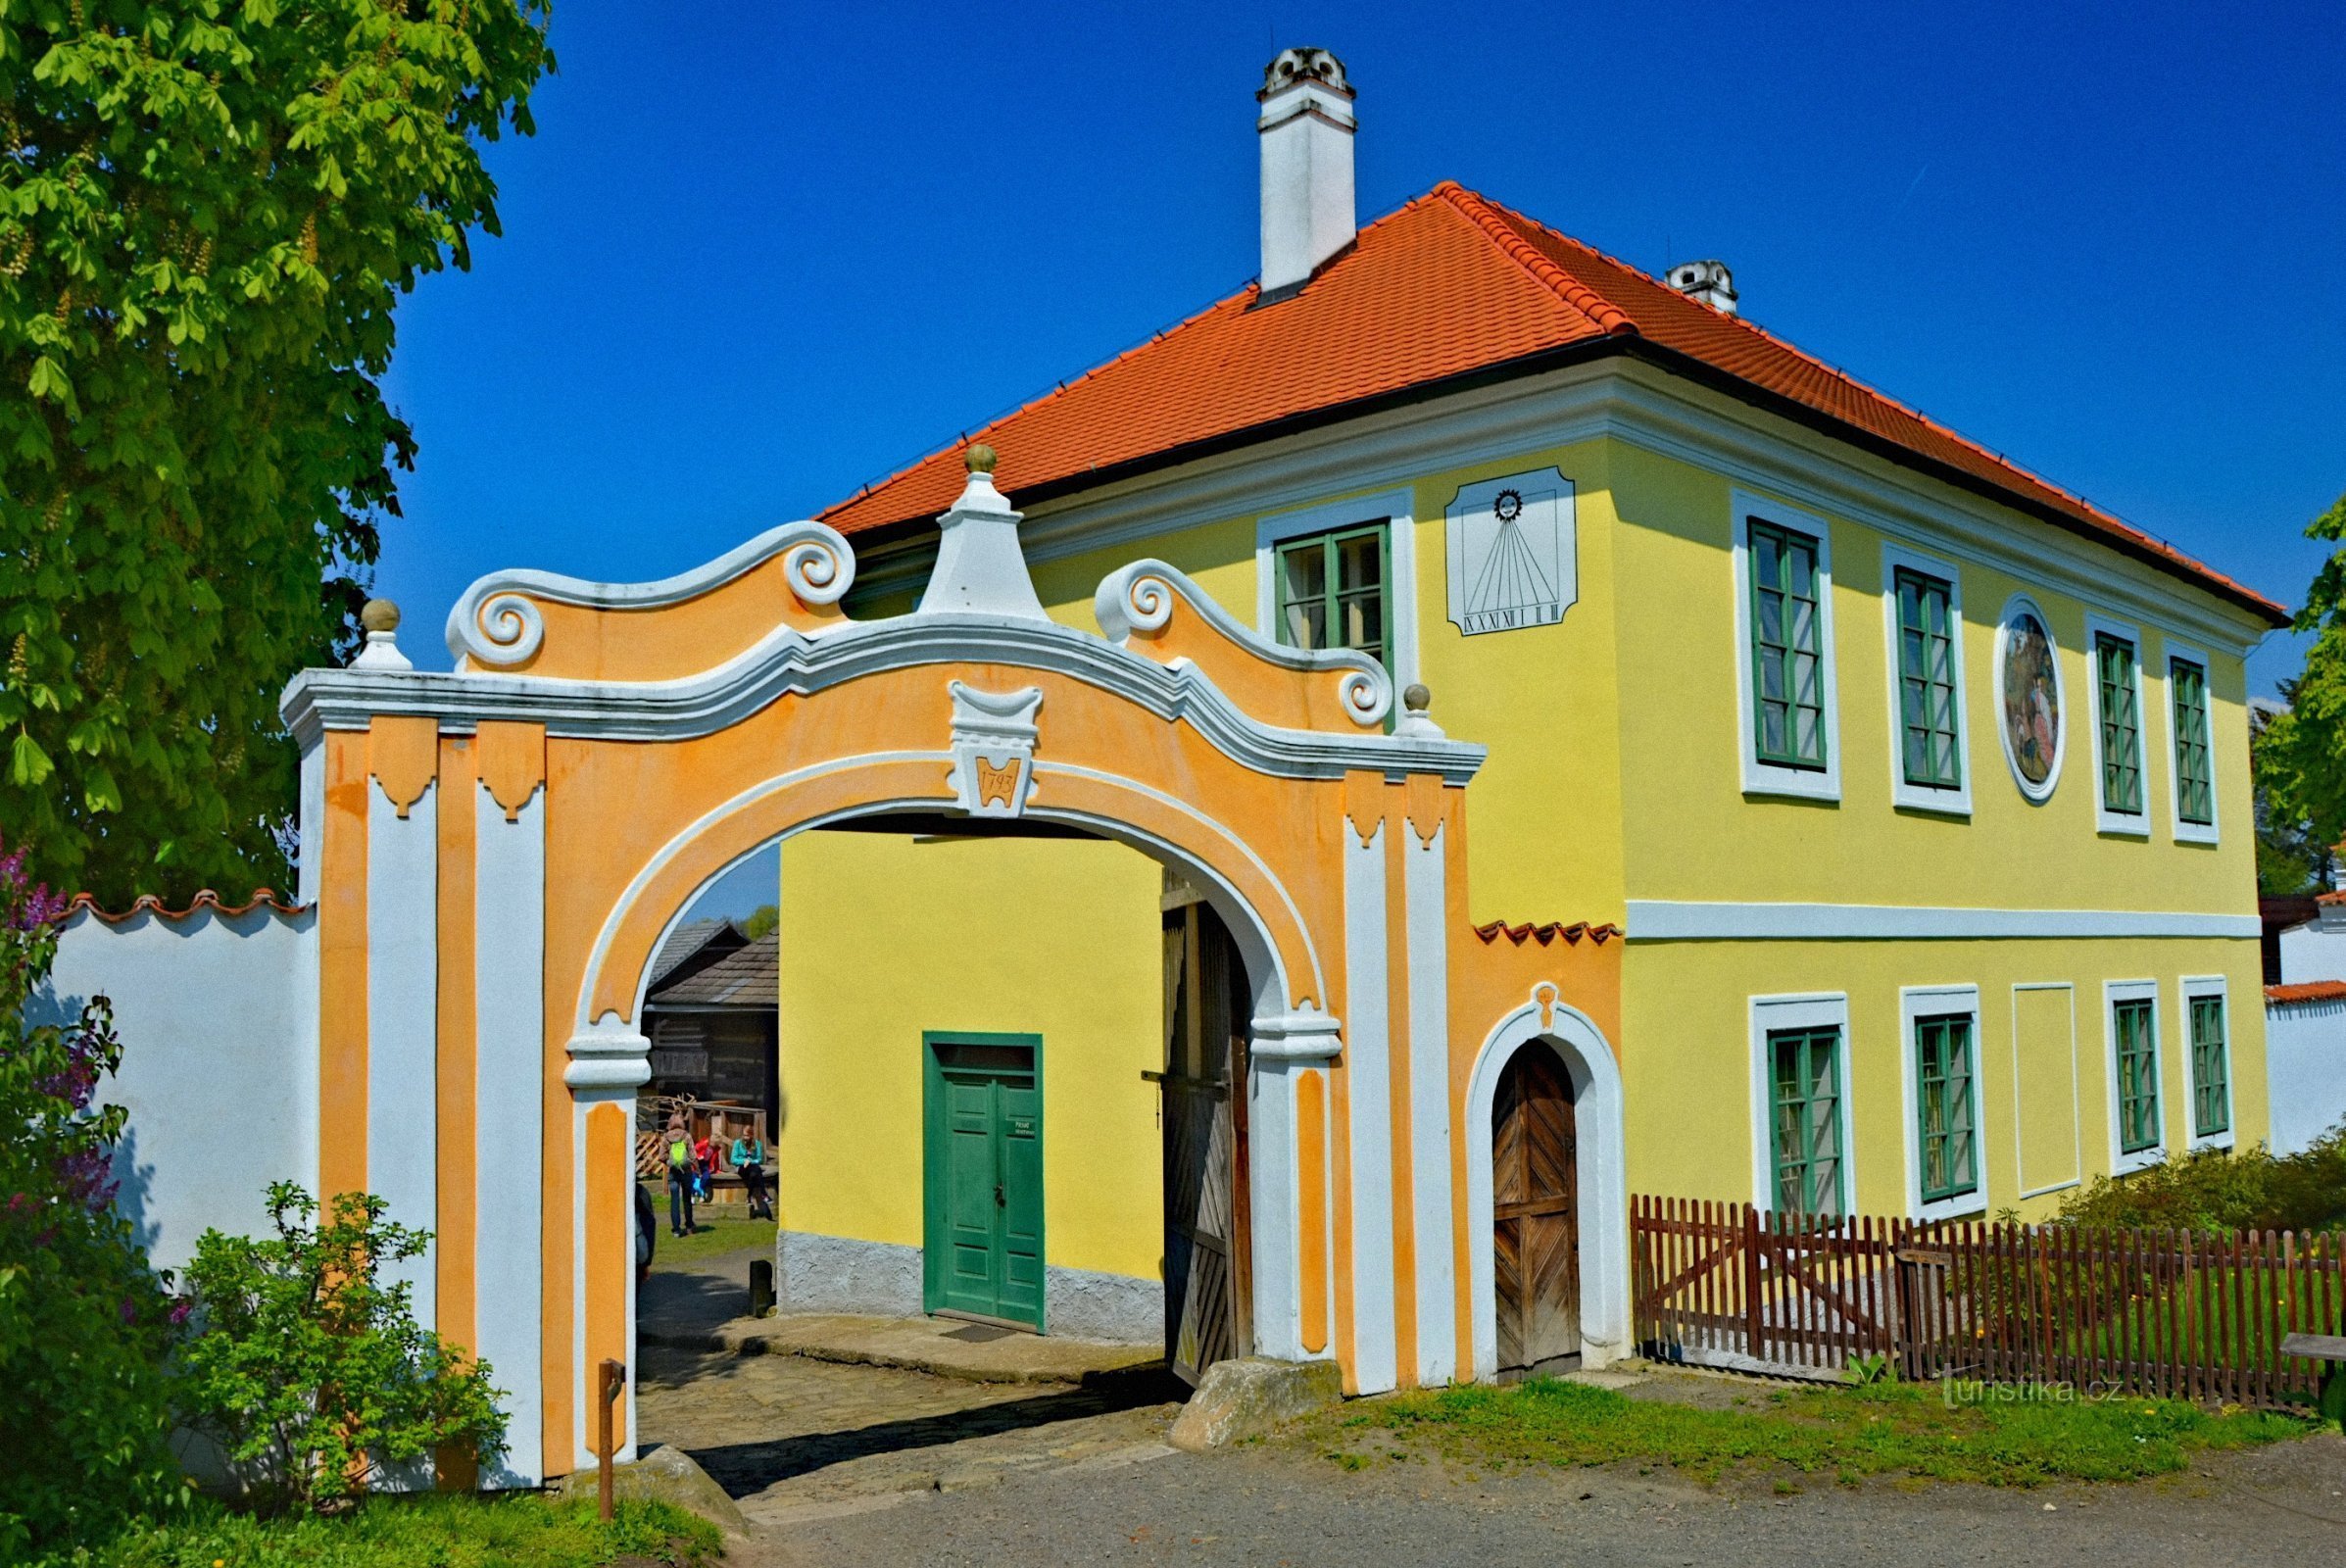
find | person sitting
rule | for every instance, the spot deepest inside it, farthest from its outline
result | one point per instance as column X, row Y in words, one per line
column 749, row 1158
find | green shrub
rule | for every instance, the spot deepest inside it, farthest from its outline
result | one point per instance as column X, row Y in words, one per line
column 310, row 1368
column 2221, row 1191
column 84, row 1322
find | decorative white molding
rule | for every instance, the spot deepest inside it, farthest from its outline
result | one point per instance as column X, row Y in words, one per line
column 993, row 748
column 1425, row 886
column 1368, row 1095
column 2106, row 819
column 1306, row 1036
column 1394, row 507
column 2113, row 992
column 508, row 990
column 1140, row 597
column 1598, row 1118
column 1956, row 801
column 1513, row 548
column 402, row 1049
column 1669, row 920
column 2018, row 608
column 2076, row 1096
column 609, row 1053
column 494, row 623
column 1772, row 778
column 1916, row 1003
column 979, row 568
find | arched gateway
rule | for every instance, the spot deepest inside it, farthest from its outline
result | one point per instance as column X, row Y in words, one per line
column 497, row 853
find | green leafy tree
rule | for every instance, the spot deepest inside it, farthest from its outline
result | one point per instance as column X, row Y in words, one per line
column 2301, row 750
column 760, row 920
column 307, row 1364
column 85, row 1324
column 2291, row 856
column 208, row 209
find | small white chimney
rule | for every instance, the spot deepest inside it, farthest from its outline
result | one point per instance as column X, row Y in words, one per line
column 1307, row 132
column 1708, row 282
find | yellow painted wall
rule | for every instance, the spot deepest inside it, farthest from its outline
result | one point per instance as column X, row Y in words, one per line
column 1686, row 1013
column 882, row 937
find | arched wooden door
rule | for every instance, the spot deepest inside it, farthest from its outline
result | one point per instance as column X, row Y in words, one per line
column 1535, row 1232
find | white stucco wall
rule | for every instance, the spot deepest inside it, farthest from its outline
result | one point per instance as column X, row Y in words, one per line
column 218, row 1016
column 2305, row 1066
column 2313, row 951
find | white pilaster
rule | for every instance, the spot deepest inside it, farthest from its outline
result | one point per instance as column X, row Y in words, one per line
column 1368, row 1080
column 1283, row 1045
column 1425, row 882
column 403, row 1010
column 509, row 1075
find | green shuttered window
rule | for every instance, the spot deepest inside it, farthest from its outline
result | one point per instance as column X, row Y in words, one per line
column 2122, row 726
column 2211, row 1070
column 1332, row 593
column 1945, row 1110
column 1927, row 681
column 2137, row 1075
column 2194, row 787
column 1804, row 1073
column 1788, row 650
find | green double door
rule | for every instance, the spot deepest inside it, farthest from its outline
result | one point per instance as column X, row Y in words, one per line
column 983, row 1108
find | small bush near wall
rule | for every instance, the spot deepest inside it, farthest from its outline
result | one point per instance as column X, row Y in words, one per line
column 2216, row 1190
column 84, row 1322
column 307, row 1364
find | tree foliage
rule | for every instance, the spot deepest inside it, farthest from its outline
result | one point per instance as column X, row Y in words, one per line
column 2301, row 752
column 208, row 209
column 307, row 1364
column 85, row 1324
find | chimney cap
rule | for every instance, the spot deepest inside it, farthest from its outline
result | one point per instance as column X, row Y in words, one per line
column 1300, row 65
column 1708, row 282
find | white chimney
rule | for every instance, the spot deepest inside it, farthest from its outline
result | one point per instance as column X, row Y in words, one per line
column 1708, row 282
column 1306, row 133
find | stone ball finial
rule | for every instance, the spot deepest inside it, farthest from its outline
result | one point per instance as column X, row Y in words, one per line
column 1417, row 697
column 979, row 458
column 378, row 614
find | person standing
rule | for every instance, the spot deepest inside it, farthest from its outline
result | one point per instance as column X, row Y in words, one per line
column 749, row 1158
column 681, row 1175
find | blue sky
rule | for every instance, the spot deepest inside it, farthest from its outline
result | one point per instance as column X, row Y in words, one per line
column 756, row 255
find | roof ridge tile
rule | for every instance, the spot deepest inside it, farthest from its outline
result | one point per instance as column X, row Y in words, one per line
column 1487, row 216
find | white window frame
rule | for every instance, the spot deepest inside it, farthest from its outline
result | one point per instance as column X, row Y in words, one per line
column 1770, row 778
column 1935, row 1002
column 1394, row 507
column 2117, row 824
column 2115, row 992
column 2197, row 986
column 1802, row 1010
column 1956, row 801
column 2017, row 606
column 2190, row 832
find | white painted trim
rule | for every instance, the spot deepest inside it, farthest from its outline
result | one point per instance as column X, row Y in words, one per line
column 1916, row 1003
column 1275, row 1172
column 1397, row 508
column 1598, row 1118
column 1140, row 597
column 2113, row 992
column 2114, row 824
column 2015, row 608
column 403, row 1114
column 311, row 830
column 1425, row 881
column 1768, row 778
column 1797, row 1011
column 2216, row 986
column 1368, row 1086
column 2076, row 1097
column 508, row 1074
column 1673, row 920
column 1956, row 801
column 2209, row 831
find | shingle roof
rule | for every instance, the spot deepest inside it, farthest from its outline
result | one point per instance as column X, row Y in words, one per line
column 1448, row 287
column 682, row 942
column 747, row 977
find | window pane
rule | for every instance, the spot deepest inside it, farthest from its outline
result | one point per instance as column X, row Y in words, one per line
column 1943, row 1111
column 2137, row 1076
column 2211, row 1069
column 2194, row 781
column 1926, row 680
column 1332, row 591
column 1804, row 1120
column 2122, row 726
column 1787, row 648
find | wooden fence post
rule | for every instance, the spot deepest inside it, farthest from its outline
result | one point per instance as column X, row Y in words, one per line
column 1754, row 1320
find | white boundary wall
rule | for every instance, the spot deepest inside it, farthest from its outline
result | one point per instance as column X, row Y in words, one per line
column 2305, row 1070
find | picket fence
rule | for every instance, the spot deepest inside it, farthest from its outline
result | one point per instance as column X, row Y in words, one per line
column 2160, row 1313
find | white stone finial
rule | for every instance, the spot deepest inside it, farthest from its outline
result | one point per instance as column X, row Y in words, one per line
column 378, row 618
column 981, row 567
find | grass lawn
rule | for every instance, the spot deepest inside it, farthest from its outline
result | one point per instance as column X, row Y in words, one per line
column 716, row 1236
column 436, row 1532
column 1847, row 1433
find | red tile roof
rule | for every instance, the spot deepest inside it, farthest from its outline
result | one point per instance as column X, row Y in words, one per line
column 1448, row 286
column 1547, row 935
column 2311, row 991
column 204, row 898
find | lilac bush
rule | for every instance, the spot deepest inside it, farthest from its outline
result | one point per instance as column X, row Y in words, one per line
column 86, row 1323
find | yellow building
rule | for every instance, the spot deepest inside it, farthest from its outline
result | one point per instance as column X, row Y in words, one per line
column 1917, row 786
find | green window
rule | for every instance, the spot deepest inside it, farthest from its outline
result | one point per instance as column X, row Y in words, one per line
column 2194, row 788
column 2138, row 1075
column 1332, row 591
column 1788, row 650
column 1926, row 680
column 2122, row 726
column 2211, row 1070
column 1943, row 1107
column 1804, row 1124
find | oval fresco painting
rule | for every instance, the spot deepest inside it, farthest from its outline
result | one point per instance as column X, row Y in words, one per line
column 2028, row 686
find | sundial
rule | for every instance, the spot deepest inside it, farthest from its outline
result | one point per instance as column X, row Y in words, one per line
column 1512, row 553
